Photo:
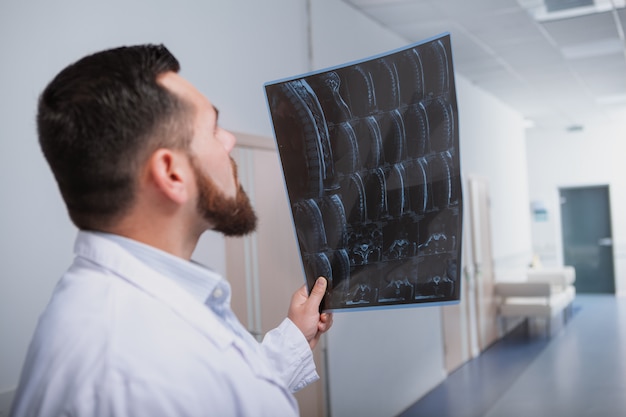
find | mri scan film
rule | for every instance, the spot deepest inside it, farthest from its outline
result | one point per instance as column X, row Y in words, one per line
column 370, row 158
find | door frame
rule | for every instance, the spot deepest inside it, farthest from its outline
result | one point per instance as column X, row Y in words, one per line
column 262, row 282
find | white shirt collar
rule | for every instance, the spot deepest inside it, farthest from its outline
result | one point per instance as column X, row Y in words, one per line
column 202, row 283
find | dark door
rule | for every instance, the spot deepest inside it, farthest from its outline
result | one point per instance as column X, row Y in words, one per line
column 587, row 239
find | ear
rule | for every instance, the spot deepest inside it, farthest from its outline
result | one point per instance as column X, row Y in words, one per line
column 171, row 174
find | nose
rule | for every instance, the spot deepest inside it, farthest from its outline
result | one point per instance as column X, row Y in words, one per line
column 228, row 139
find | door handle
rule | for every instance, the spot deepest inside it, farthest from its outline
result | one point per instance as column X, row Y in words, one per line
column 605, row 241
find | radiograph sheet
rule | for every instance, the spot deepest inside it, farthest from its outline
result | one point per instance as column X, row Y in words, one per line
column 370, row 157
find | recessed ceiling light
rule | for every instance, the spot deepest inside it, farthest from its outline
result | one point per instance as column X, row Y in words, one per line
column 559, row 5
column 574, row 8
column 574, row 128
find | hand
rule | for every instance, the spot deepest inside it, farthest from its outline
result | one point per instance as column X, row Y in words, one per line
column 304, row 312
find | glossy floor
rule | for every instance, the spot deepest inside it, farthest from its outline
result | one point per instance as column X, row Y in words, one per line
column 580, row 370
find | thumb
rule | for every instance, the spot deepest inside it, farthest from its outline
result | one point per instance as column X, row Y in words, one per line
column 318, row 291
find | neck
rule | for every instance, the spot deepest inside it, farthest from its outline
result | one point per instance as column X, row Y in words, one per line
column 166, row 236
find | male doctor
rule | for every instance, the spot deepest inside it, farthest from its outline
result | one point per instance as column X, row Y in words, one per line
column 134, row 328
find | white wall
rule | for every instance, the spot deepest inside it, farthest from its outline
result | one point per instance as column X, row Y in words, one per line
column 228, row 50
column 382, row 361
column 492, row 134
column 379, row 362
column 594, row 156
column 493, row 146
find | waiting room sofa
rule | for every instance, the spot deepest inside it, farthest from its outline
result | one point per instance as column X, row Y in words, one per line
column 537, row 293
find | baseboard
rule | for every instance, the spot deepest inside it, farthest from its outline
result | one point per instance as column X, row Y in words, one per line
column 6, row 399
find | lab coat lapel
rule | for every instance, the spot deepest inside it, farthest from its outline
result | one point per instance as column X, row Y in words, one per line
column 111, row 256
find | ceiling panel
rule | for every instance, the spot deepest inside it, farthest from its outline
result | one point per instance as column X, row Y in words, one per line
column 598, row 66
column 562, row 82
column 465, row 48
column 527, row 99
column 403, row 13
column 478, row 69
column 414, row 32
column 503, row 30
column 495, row 77
column 617, row 115
column 555, row 72
column 593, row 49
column 608, row 84
column 533, row 56
column 465, row 9
column 583, row 29
column 365, row 3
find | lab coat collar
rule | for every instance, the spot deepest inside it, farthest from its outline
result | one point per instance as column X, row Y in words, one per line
column 109, row 255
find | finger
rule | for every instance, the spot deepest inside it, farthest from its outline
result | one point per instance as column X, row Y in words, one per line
column 322, row 328
column 318, row 291
column 325, row 323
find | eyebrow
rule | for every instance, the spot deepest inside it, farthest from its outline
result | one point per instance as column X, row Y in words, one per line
column 217, row 113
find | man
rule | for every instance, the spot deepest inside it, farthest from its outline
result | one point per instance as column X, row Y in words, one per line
column 134, row 328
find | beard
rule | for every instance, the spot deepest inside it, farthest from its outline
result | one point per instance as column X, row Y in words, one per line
column 230, row 216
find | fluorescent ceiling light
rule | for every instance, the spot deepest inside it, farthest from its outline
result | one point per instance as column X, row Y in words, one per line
column 539, row 11
column 559, row 5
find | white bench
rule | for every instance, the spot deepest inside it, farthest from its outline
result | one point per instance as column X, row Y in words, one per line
column 542, row 293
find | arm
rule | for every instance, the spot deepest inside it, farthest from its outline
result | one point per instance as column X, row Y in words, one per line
column 289, row 346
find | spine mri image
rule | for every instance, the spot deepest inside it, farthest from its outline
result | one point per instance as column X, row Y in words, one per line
column 370, row 158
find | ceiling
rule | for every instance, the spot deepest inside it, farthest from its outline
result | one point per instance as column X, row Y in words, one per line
column 561, row 63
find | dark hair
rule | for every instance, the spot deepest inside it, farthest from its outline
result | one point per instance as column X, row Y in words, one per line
column 100, row 119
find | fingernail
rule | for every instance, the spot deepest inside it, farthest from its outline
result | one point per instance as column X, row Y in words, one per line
column 321, row 282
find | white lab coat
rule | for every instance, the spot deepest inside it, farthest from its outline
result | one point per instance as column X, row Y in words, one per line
column 119, row 339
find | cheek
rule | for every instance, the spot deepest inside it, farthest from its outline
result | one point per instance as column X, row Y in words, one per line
column 222, row 172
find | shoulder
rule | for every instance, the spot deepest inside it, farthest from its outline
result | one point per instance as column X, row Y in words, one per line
column 101, row 339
